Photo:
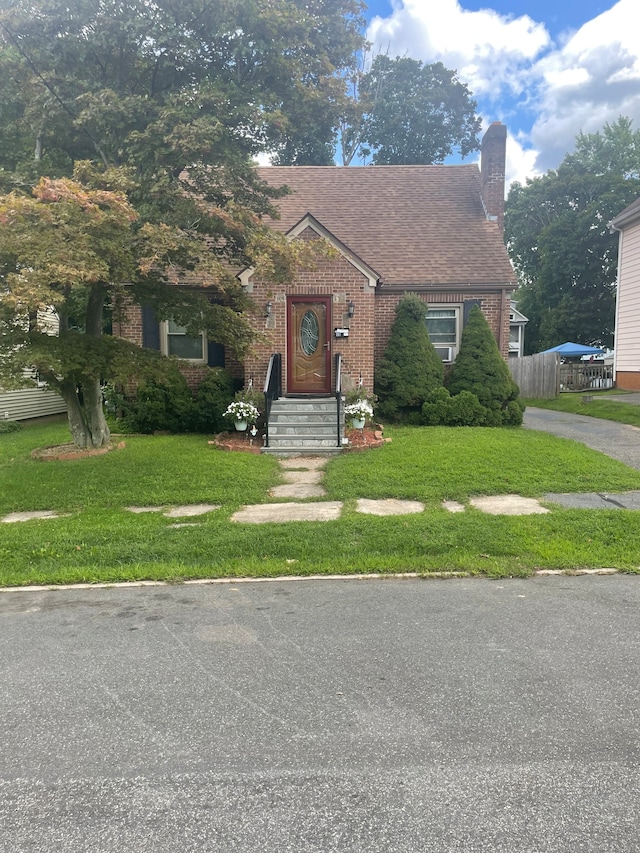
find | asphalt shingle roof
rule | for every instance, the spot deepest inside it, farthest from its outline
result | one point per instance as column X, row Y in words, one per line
column 412, row 224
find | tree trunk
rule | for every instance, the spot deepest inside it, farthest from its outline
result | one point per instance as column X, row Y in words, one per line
column 83, row 395
column 87, row 423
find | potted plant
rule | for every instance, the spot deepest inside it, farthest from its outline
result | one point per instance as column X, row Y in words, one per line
column 358, row 412
column 241, row 413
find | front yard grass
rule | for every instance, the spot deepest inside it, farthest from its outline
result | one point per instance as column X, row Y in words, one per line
column 100, row 541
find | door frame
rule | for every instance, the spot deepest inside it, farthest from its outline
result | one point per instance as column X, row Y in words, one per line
column 327, row 299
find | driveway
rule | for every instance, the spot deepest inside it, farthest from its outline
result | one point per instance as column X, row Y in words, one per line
column 322, row 717
column 619, row 441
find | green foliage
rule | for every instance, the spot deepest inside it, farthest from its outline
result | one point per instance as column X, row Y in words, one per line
column 410, row 368
column 9, row 426
column 214, row 394
column 464, row 409
column 480, row 369
column 158, row 86
column 168, row 405
column 557, row 232
column 159, row 406
column 126, row 97
column 405, row 112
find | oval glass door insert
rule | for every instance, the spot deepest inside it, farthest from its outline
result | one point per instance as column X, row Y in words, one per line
column 309, row 333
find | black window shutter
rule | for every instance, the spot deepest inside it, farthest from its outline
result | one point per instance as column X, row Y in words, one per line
column 215, row 354
column 150, row 328
column 466, row 308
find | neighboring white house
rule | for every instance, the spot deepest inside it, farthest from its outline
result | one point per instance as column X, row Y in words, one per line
column 34, row 401
column 517, row 322
column 627, row 333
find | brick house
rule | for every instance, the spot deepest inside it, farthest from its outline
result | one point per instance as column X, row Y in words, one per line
column 436, row 231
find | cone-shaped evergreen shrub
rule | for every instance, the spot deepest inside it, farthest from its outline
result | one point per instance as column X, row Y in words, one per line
column 480, row 369
column 410, row 368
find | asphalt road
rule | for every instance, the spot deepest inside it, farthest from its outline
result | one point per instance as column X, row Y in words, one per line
column 620, row 441
column 378, row 715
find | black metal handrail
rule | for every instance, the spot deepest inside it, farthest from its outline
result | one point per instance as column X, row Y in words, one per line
column 338, row 394
column 272, row 388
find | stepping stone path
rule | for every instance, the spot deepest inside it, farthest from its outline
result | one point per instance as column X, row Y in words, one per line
column 303, row 477
column 29, row 516
column 388, row 506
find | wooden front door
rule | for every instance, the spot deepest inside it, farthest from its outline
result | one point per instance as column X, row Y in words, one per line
column 309, row 344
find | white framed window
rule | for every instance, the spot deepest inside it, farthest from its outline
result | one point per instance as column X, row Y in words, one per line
column 175, row 341
column 443, row 326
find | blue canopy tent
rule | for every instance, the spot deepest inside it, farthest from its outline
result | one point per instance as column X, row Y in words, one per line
column 570, row 350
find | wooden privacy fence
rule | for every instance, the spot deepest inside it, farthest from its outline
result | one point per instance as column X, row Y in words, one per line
column 537, row 376
column 542, row 376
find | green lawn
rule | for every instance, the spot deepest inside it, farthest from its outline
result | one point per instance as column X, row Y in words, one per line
column 100, row 541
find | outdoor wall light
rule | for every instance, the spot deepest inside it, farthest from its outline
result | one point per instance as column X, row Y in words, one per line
column 267, row 309
column 351, row 310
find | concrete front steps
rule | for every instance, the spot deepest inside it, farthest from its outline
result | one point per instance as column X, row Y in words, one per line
column 304, row 426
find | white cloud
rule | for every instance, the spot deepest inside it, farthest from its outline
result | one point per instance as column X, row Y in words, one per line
column 593, row 78
column 546, row 93
column 488, row 50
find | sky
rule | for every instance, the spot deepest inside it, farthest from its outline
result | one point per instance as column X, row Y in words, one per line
column 547, row 69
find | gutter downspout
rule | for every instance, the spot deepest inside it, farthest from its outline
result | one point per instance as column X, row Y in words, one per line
column 501, row 326
column 613, row 228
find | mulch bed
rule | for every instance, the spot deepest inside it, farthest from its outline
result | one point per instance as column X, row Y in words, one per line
column 359, row 439
column 65, row 452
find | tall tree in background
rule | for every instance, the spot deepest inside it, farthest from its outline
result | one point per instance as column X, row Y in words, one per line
column 404, row 112
column 557, row 232
column 126, row 96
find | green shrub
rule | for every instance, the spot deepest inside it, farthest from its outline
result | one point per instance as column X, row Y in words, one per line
column 170, row 406
column 9, row 426
column 480, row 369
column 410, row 368
column 214, row 394
column 462, row 410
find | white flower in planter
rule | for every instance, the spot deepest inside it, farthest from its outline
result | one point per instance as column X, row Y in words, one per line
column 239, row 410
column 360, row 410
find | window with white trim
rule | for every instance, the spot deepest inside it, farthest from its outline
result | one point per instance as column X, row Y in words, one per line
column 443, row 326
column 176, row 341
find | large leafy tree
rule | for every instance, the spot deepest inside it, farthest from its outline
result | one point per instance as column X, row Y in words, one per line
column 404, row 112
column 70, row 247
column 557, row 232
column 166, row 103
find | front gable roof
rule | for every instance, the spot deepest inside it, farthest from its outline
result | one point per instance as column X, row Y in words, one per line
column 309, row 221
column 412, row 225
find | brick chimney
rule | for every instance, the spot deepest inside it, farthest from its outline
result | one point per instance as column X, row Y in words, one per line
column 493, row 151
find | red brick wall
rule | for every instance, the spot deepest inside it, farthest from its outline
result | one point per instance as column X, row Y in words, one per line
column 127, row 320
column 369, row 328
column 335, row 277
column 628, row 380
column 127, row 324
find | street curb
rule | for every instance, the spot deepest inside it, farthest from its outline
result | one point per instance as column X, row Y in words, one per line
column 290, row 578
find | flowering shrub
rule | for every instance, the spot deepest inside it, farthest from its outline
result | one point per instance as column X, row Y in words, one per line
column 240, row 410
column 359, row 410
